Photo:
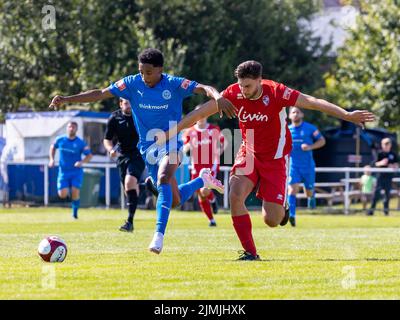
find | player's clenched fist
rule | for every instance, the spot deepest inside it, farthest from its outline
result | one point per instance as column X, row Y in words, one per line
column 225, row 106
column 56, row 102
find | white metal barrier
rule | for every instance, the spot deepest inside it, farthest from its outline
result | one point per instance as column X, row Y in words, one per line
column 346, row 170
column 225, row 169
column 106, row 166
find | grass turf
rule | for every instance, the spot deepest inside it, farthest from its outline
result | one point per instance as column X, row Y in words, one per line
column 324, row 257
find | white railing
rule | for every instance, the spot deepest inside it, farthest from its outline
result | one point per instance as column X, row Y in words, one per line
column 45, row 164
column 347, row 181
column 225, row 169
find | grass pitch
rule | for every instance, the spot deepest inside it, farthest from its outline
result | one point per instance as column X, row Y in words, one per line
column 324, row 257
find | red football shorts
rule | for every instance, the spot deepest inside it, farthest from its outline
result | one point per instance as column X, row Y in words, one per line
column 269, row 177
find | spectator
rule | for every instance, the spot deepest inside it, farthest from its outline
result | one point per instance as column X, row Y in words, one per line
column 367, row 184
column 386, row 159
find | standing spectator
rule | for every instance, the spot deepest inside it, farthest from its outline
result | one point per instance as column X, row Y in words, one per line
column 367, row 184
column 386, row 159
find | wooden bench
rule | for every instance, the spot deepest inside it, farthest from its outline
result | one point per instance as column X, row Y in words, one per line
column 334, row 194
column 355, row 190
column 334, row 191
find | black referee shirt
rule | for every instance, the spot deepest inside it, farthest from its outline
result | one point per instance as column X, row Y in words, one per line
column 392, row 157
column 121, row 126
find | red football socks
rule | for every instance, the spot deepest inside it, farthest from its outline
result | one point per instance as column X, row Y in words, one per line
column 242, row 225
column 206, row 208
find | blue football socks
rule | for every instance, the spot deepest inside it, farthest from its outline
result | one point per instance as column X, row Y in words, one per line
column 311, row 202
column 75, row 206
column 292, row 205
column 163, row 206
column 187, row 189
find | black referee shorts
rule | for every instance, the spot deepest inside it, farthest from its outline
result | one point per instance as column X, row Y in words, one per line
column 132, row 165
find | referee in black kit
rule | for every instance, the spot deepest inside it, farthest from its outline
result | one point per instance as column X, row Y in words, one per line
column 129, row 161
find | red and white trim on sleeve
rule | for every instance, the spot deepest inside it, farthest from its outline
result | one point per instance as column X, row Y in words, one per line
column 282, row 136
column 121, row 85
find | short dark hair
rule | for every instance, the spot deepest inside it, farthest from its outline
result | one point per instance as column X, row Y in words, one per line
column 74, row 123
column 152, row 56
column 249, row 69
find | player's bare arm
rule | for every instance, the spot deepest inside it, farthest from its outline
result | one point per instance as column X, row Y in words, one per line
column 318, row 144
column 84, row 97
column 359, row 117
column 86, row 159
column 204, row 111
column 109, row 146
column 223, row 105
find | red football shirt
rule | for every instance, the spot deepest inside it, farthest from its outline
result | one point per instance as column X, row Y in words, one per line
column 204, row 145
column 263, row 121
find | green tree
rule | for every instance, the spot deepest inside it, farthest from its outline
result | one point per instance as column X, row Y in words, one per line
column 96, row 42
column 367, row 73
column 93, row 43
column 221, row 34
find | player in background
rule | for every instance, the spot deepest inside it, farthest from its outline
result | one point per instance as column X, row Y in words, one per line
column 262, row 160
column 156, row 99
column 305, row 138
column 70, row 172
column 204, row 141
column 121, row 129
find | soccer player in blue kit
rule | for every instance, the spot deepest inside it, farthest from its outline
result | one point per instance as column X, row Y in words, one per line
column 306, row 138
column 156, row 99
column 70, row 172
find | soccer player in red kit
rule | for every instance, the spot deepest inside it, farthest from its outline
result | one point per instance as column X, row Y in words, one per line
column 262, row 160
column 204, row 140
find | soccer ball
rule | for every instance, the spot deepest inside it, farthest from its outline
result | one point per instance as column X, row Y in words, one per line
column 52, row 249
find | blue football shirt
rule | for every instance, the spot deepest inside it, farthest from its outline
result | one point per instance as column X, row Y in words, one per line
column 70, row 152
column 153, row 108
column 304, row 133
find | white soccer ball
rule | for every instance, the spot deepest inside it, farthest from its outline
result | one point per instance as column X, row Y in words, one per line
column 52, row 249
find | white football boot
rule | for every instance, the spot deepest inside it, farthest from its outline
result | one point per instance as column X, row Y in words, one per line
column 156, row 244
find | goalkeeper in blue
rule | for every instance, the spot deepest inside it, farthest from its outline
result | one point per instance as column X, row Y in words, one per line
column 306, row 138
column 156, row 99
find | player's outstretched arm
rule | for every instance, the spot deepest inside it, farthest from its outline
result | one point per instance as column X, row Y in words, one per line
column 359, row 117
column 87, row 96
column 202, row 111
column 224, row 105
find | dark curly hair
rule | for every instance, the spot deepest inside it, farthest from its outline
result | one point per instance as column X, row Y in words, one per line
column 152, row 56
column 249, row 69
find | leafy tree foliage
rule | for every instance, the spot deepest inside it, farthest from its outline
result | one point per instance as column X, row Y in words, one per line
column 367, row 74
column 96, row 42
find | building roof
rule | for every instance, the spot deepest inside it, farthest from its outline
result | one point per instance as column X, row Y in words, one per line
column 58, row 114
